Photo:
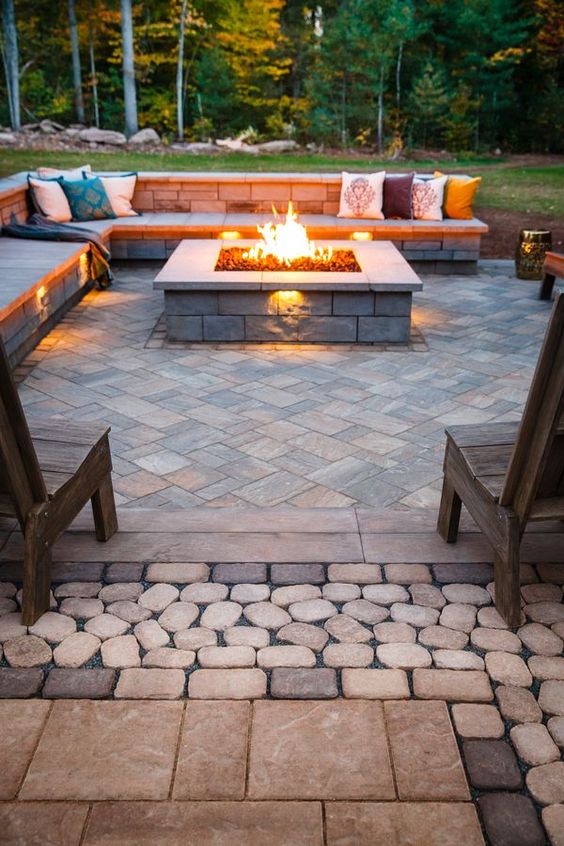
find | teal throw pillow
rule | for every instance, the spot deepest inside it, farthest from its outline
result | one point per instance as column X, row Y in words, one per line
column 87, row 198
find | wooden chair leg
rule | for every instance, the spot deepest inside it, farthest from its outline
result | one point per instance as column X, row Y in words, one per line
column 104, row 510
column 449, row 512
column 37, row 572
column 546, row 287
column 508, row 578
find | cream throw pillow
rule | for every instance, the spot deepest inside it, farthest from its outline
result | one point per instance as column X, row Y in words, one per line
column 51, row 200
column 427, row 198
column 120, row 190
column 362, row 195
column 54, row 173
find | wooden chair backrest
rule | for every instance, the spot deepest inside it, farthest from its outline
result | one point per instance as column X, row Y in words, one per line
column 536, row 469
column 20, row 476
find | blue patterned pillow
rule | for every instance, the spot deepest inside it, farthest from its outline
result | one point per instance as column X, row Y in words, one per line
column 87, row 199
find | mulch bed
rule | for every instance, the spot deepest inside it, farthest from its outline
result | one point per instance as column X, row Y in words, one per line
column 233, row 258
column 501, row 240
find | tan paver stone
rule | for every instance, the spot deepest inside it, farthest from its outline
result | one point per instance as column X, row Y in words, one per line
column 423, row 594
column 221, row 615
column 290, row 594
column 402, row 824
column 442, row 638
column 244, row 594
column 452, row 685
column 297, row 751
column 408, row 574
column 365, row 611
column 313, row 610
column 541, row 592
column 266, row 616
column 553, row 821
column 508, row 669
column 490, row 618
column 558, row 629
column 129, row 611
column 534, row 744
column 145, row 683
column 150, row 635
column 460, row 617
column 22, row 724
column 227, row 684
column 121, row 591
column 341, row 592
column 374, row 684
column 247, row 636
column 227, row 656
column 202, row 593
column 477, row 721
column 394, row 633
column 105, row 626
column 358, row 574
column 556, row 728
column 81, row 609
column 76, row 649
column 457, row 659
column 347, row 630
column 7, row 606
column 212, row 758
column 285, row 656
column 42, row 824
column 11, row 627
column 207, row 824
column 495, row 640
column 415, row 615
column 53, row 627
column 303, row 634
column 158, row 597
column 546, row 783
column 540, row 639
column 177, row 573
column 403, row 656
column 348, row 655
column 166, row 658
column 545, row 612
column 385, row 594
column 426, row 760
column 82, row 590
column 111, row 750
column 518, row 704
column 551, row 698
column 121, row 652
column 27, row 651
column 178, row 616
column 194, row 639
column 467, row 594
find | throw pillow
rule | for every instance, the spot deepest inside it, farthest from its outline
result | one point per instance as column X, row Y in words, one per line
column 427, row 198
column 361, row 195
column 120, row 190
column 55, row 173
column 49, row 199
column 397, row 196
column 459, row 196
column 87, row 199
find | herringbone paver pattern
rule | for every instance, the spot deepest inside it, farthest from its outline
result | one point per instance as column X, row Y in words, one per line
column 267, row 425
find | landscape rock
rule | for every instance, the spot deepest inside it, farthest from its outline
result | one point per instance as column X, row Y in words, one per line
column 93, row 135
column 145, row 137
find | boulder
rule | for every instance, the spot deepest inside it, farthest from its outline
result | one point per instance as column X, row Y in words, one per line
column 197, row 148
column 145, row 136
column 7, row 138
column 92, row 135
column 282, row 146
column 49, row 127
column 70, row 132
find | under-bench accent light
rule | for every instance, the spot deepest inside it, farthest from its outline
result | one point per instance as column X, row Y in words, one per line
column 230, row 235
column 361, row 236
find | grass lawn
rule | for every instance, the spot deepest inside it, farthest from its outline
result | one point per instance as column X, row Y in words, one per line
column 537, row 189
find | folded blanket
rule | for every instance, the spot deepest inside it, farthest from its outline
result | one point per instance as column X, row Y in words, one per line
column 41, row 228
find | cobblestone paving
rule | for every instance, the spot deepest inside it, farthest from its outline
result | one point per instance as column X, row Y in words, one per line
column 309, row 632
column 303, row 426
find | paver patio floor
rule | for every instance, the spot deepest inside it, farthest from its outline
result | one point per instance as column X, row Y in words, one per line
column 331, row 427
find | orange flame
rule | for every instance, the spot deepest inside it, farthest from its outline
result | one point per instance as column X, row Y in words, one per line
column 287, row 241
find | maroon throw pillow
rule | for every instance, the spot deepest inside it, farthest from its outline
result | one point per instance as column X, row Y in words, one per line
column 397, row 196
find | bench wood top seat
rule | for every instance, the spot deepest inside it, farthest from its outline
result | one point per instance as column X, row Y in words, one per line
column 48, row 472
column 552, row 268
column 508, row 474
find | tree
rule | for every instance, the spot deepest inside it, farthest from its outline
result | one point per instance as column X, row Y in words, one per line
column 128, row 65
column 429, row 101
column 11, row 59
column 180, row 71
column 76, row 72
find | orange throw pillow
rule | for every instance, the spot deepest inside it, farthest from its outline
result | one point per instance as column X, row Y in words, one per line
column 459, row 196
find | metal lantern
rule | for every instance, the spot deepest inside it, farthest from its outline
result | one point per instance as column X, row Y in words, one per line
column 530, row 252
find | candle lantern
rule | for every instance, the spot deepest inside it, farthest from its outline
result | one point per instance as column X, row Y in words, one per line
column 530, row 252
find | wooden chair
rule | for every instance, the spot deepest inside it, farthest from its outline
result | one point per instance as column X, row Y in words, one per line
column 507, row 474
column 553, row 266
column 48, row 472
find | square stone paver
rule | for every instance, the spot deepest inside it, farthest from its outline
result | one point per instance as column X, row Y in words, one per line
column 319, row 750
column 403, row 824
column 105, row 750
column 212, row 758
column 425, row 755
column 22, row 724
column 206, row 824
column 42, row 823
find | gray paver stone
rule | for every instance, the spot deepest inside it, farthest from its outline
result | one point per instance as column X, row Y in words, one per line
column 303, row 683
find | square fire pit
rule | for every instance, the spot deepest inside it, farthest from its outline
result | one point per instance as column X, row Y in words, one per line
column 369, row 306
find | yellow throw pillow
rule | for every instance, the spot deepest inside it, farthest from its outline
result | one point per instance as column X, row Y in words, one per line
column 459, row 196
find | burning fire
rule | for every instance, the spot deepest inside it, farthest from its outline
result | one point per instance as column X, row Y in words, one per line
column 287, row 241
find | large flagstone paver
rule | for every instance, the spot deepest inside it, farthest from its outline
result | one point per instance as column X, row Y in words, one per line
column 106, row 750
column 42, row 823
column 22, row 723
column 325, row 750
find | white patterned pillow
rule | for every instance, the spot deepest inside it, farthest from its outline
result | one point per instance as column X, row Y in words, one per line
column 427, row 198
column 362, row 195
